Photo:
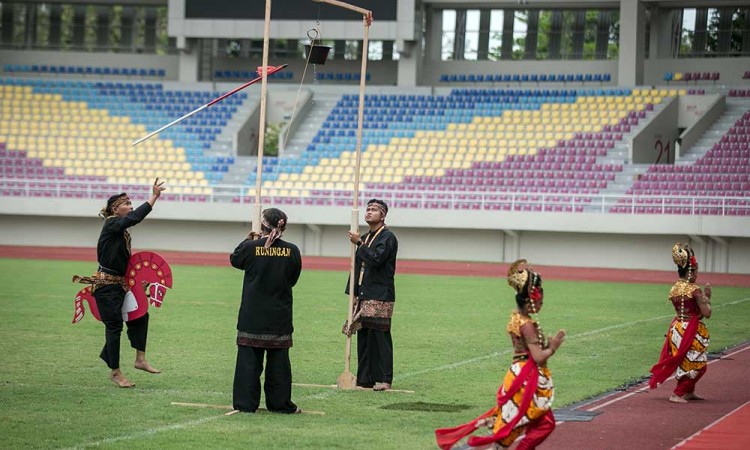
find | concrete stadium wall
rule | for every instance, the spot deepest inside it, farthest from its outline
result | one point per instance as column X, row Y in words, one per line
column 579, row 240
column 655, row 143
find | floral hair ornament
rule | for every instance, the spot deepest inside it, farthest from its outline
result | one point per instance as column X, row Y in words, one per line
column 518, row 275
column 684, row 257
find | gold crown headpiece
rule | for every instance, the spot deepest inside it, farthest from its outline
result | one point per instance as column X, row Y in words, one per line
column 682, row 255
column 518, row 275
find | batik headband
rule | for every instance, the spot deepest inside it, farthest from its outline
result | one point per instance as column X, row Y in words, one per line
column 275, row 232
column 113, row 203
column 380, row 205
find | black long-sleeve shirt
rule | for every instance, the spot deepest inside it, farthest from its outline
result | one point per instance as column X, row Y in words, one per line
column 270, row 274
column 379, row 258
column 113, row 248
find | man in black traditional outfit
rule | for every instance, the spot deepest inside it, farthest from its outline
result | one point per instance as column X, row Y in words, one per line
column 264, row 326
column 375, row 267
column 109, row 285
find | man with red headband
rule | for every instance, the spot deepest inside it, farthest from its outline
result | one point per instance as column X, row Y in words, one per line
column 685, row 348
column 109, row 285
column 375, row 267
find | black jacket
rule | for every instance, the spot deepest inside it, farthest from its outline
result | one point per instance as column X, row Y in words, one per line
column 379, row 258
column 113, row 248
column 270, row 274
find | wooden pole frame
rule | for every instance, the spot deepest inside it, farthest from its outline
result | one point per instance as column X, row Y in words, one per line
column 262, row 127
column 347, row 380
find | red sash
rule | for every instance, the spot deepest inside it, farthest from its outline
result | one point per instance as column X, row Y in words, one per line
column 668, row 364
column 447, row 437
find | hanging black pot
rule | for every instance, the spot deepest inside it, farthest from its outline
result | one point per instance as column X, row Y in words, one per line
column 317, row 54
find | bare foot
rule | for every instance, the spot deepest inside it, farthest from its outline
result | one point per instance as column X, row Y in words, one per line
column 120, row 380
column 692, row 396
column 145, row 366
column 677, row 399
column 381, row 387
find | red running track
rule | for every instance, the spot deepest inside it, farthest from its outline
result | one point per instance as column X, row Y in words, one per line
column 644, row 419
column 404, row 266
column 728, row 433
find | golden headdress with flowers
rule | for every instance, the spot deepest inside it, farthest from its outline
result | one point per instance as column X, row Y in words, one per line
column 518, row 275
column 683, row 255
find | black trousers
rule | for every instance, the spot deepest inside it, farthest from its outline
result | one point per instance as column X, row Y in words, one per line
column 374, row 357
column 278, row 384
column 109, row 300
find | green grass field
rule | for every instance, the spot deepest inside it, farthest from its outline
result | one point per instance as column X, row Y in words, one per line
column 450, row 348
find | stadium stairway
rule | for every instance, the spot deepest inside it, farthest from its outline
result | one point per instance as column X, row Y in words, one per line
column 322, row 104
column 223, row 143
column 736, row 108
column 619, row 154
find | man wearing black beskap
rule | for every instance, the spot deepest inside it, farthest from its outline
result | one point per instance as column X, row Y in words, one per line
column 109, row 285
column 375, row 267
column 264, row 325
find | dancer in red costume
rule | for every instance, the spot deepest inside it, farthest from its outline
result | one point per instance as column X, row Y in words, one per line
column 684, row 351
column 524, row 400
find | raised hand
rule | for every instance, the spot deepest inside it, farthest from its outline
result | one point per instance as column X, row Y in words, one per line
column 158, row 187
column 707, row 291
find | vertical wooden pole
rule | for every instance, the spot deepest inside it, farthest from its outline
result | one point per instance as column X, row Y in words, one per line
column 347, row 380
column 262, row 127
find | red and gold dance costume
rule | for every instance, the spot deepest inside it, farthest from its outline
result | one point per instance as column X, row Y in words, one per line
column 684, row 351
column 525, row 398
